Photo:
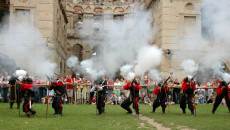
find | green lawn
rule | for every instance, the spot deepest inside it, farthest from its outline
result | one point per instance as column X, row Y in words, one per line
column 83, row 117
column 203, row 119
column 74, row 117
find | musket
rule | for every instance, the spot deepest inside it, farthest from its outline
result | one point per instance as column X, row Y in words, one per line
column 165, row 82
column 19, row 102
column 96, row 100
column 134, row 97
column 190, row 87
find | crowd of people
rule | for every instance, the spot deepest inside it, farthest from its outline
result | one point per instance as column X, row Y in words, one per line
column 78, row 89
column 115, row 92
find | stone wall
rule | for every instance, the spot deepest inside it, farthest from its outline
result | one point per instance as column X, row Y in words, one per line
column 173, row 20
column 49, row 16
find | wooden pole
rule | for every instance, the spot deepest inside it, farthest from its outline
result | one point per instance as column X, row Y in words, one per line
column 47, row 100
column 75, row 95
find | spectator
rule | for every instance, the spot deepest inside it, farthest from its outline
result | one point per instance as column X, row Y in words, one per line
column 69, row 88
column 170, row 102
column 113, row 99
column 84, row 90
column 211, row 98
column 110, row 88
column 198, row 98
column 88, row 91
column 150, row 87
column 147, row 100
column 4, row 88
column 176, row 91
column 93, row 101
column 122, row 82
column 143, row 90
column 117, row 88
column 121, row 99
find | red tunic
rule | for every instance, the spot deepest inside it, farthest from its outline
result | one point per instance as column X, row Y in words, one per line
column 156, row 91
column 26, row 86
column 127, row 86
column 220, row 91
column 185, row 87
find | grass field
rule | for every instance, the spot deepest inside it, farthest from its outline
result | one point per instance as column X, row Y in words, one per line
column 83, row 117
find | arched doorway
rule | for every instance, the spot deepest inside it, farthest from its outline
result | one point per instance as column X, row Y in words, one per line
column 98, row 50
column 77, row 51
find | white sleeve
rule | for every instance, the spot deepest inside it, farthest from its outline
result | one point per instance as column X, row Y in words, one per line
column 92, row 89
column 100, row 88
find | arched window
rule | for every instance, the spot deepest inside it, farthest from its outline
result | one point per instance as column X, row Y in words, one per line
column 77, row 51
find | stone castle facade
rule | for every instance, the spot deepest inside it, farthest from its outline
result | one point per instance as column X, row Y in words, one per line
column 58, row 21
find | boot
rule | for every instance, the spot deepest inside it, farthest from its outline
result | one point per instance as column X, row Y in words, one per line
column 163, row 110
column 11, row 105
column 55, row 112
column 60, row 113
column 192, row 113
column 27, row 115
column 184, row 112
column 213, row 111
column 33, row 112
column 153, row 110
column 137, row 112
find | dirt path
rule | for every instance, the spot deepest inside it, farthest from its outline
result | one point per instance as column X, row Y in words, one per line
column 160, row 126
column 153, row 123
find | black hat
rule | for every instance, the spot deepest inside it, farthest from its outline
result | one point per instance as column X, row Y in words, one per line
column 97, row 81
column 160, row 84
column 29, row 80
column 223, row 83
column 134, row 81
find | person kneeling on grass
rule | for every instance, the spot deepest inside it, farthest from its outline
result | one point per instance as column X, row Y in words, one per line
column 134, row 88
column 28, row 94
column 222, row 92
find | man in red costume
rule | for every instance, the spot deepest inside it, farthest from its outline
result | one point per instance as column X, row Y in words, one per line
column 188, row 87
column 134, row 88
column 222, row 92
column 28, row 94
column 161, row 92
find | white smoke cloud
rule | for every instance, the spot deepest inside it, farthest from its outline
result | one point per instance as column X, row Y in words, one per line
column 126, row 72
column 125, row 42
column 212, row 48
column 155, row 75
column 189, row 66
column 148, row 57
column 88, row 67
column 72, row 62
column 21, row 73
column 26, row 45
